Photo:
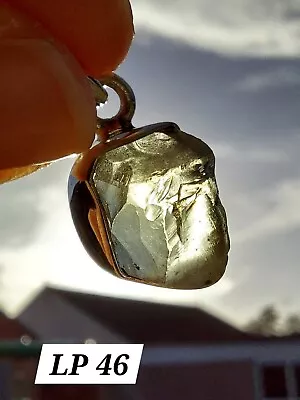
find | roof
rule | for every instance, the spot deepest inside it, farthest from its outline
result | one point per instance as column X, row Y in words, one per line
column 295, row 337
column 147, row 322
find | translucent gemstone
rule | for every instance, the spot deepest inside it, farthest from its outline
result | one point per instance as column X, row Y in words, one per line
column 167, row 226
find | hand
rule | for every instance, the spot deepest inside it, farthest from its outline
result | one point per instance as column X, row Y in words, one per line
column 47, row 49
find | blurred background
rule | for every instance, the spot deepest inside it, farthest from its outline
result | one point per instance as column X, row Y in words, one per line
column 229, row 73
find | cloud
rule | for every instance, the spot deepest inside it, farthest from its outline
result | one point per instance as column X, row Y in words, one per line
column 260, row 185
column 281, row 214
column 277, row 78
column 254, row 28
column 249, row 152
column 22, row 208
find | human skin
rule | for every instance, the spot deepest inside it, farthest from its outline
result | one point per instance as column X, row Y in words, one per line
column 47, row 50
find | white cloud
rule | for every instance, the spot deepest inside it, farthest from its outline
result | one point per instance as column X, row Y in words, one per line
column 281, row 213
column 260, row 28
column 250, row 152
column 277, row 78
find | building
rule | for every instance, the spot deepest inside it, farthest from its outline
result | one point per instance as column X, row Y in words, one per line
column 188, row 353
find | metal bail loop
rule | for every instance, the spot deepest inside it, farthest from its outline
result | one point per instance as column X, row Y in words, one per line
column 122, row 120
column 100, row 93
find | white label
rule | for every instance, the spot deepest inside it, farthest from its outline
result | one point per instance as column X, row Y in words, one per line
column 87, row 364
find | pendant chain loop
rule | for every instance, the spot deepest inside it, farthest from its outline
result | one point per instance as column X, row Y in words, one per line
column 122, row 120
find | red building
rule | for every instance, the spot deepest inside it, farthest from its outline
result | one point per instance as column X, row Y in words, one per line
column 188, row 353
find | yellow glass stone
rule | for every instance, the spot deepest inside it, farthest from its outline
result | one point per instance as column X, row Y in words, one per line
column 160, row 220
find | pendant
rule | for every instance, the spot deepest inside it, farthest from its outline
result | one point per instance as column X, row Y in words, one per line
column 145, row 202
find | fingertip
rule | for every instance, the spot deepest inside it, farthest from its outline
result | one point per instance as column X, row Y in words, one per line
column 97, row 32
column 49, row 112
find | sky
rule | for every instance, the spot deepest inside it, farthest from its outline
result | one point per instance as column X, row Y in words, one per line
column 229, row 75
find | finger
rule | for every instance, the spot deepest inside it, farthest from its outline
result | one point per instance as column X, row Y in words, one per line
column 47, row 109
column 11, row 174
column 97, row 32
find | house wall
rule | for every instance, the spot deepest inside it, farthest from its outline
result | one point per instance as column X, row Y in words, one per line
column 232, row 381
column 22, row 377
column 225, row 380
column 284, row 355
column 264, row 351
column 63, row 392
column 16, row 378
column 75, row 392
column 11, row 329
column 16, row 375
